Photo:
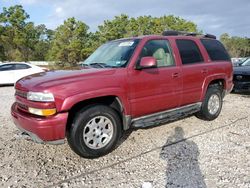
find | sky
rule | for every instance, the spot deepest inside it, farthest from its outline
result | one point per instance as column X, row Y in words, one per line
column 213, row 16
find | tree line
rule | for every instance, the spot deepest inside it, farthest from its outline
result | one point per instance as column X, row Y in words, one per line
column 236, row 46
column 71, row 42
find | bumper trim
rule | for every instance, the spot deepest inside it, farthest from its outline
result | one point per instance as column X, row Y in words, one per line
column 38, row 140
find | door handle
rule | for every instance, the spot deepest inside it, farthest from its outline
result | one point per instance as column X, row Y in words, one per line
column 175, row 75
column 204, row 71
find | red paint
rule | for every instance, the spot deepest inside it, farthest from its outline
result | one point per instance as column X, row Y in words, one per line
column 47, row 129
column 148, row 62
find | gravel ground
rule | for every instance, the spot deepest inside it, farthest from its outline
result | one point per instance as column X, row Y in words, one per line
column 186, row 153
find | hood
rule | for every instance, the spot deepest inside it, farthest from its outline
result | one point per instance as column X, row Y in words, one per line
column 52, row 79
column 243, row 70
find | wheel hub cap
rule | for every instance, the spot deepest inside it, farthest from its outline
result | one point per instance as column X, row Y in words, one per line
column 213, row 104
column 98, row 132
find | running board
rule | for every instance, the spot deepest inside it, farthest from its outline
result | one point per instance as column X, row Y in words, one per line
column 165, row 116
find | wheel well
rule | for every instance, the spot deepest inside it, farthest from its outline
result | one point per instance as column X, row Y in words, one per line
column 111, row 101
column 218, row 82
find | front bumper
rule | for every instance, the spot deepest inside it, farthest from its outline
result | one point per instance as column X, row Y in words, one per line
column 241, row 86
column 49, row 130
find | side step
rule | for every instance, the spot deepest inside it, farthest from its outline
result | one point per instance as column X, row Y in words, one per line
column 165, row 116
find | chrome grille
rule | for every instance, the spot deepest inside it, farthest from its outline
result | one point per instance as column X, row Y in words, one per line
column 22, row 94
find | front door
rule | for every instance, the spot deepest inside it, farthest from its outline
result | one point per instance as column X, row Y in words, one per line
column 155, row 89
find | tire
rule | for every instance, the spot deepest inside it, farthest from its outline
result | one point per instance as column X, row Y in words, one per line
column 212, row 104
column 95, row 131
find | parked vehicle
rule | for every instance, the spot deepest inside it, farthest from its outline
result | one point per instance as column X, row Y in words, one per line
column 134, row 82
column 11, row 72
column 242, row 76
column 237, row 61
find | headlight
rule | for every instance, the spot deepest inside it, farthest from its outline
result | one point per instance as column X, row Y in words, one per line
column 40, row 97
column 42, row 112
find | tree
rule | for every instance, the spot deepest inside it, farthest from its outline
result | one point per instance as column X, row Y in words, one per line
column 13, row 22
column 114, row 29
column 42, row 45
column 68, row 42
column 22, row 40
column 2, row 54
column 236, row 46
column 123, row 26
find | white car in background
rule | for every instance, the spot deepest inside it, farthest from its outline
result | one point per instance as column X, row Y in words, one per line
column 11, row 72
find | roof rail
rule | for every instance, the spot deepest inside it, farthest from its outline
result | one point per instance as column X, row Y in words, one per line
column 210, row 36
column 176, row 33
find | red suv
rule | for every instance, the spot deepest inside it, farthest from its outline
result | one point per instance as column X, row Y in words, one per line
column 134, row 82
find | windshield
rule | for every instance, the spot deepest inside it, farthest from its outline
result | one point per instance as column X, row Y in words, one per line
column 112, row 54
column 246, row 62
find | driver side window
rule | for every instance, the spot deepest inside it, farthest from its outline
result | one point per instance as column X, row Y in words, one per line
column 160, row 50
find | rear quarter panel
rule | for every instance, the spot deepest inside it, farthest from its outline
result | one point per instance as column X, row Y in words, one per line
column 218, row 70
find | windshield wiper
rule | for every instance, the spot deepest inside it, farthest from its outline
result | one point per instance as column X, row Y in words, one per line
column 101, row 65
column 97, row 65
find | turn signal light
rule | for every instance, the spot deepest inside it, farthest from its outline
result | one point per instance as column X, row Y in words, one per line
column 42, row 112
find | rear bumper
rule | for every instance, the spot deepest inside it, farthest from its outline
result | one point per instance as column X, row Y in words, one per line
column 42, row 130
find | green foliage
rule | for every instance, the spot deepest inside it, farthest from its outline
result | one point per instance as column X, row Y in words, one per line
column 123, row 26
column 14, row 16
column 236, row 46
column 21, row 40
column 68, row 42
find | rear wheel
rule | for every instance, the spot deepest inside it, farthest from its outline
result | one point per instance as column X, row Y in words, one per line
column 212, row 104
column 94, row 131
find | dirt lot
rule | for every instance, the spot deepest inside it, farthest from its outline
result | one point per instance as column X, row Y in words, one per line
column 185, row 153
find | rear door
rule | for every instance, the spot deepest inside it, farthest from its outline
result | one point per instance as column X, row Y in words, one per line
column 155, row 89
column 194, row 70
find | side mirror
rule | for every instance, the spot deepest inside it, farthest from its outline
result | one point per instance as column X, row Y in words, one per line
column 147, row 62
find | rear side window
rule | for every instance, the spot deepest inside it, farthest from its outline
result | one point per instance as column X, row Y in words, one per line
column 215, row 50
column 22, row 66
column 189, row 51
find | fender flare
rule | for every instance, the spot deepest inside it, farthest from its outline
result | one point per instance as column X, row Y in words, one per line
column 118, row 93
column 209, row 79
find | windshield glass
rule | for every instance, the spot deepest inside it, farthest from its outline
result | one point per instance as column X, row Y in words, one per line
column 112, row 54
column 246, row 62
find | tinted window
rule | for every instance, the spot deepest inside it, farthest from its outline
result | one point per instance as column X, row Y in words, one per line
column 215, row 50
column 22, row 66
column 189, row 51
column 160, row 50
column 7, row 67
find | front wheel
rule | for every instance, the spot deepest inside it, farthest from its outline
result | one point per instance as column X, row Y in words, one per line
column 212, row 104
column 94, row 131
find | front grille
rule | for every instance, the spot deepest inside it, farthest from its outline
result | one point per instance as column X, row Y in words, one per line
column 22, row 94
column 242, row 78
column 22, row 106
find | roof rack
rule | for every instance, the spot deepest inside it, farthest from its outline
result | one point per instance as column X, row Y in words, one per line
column 176, row 33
